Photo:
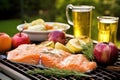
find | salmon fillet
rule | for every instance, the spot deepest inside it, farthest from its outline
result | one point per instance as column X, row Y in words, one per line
column 52, row 57
column 49, row 57
column 77, row 62
column 25, row 53
column 33, row 54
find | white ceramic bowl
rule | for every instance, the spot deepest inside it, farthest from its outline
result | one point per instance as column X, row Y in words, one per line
column 41, row 35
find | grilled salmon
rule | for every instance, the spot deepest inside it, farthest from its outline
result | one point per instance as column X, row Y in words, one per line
column 49, row 57
column 77, row 62
column 25, row 53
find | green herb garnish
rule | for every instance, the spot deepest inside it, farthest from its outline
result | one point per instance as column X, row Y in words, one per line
column 88, row 50
column 57, row 72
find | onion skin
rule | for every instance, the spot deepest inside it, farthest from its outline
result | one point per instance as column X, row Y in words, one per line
column 57, row 36
column 105, row 53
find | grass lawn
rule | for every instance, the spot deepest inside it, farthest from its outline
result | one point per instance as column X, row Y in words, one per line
column 9, row 26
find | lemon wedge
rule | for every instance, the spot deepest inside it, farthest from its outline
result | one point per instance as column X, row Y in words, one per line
column 47, row 44
column 74, row 45
column 59, row 45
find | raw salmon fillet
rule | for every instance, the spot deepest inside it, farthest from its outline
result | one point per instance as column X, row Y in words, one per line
column 26, row 53
column 77, row 62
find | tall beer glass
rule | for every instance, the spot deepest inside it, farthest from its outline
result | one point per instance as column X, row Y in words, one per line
column 81, row 19
column 107, row 28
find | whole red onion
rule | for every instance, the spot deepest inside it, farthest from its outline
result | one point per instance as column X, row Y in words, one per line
column 57, row 36
column 105, row 53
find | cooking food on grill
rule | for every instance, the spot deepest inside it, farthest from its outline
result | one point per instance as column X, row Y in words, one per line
column 49, row 57
column 83, row 44
column 52, row 57
column 77, row 63
column 75, row 45
column 25, row 53
column 47, row 44
column 59, row 45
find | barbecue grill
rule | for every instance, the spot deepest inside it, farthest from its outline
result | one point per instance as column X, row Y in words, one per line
column 18, row 71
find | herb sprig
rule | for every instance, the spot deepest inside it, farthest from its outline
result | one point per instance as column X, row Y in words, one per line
column 88, row 50
column 57, row 72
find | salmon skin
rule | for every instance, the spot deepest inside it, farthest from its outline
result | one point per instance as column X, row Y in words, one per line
column 52, row 58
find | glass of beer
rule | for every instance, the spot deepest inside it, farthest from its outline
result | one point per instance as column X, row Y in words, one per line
column 81, row 19
column 107, row 28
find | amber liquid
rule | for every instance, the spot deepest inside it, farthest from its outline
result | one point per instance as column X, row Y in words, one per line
column 107, row 30
column 82, row 23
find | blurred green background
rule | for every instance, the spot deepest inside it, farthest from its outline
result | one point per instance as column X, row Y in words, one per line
column 15, row 12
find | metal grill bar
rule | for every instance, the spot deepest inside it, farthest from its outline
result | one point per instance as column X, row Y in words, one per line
column 4, row 76
column 12, row 73
column 100, row 73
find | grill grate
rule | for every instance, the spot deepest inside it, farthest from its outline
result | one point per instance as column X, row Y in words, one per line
column 100, row 73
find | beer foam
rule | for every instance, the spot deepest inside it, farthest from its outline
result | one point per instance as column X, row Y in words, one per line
column 81, row 10
column 107, row 21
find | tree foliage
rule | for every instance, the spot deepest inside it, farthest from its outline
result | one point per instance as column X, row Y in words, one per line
column 54, row 10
